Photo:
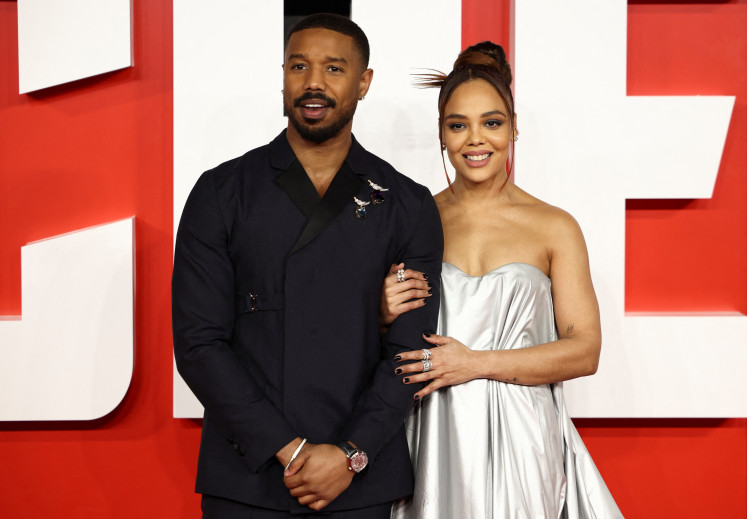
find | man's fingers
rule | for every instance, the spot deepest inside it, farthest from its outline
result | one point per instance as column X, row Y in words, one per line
column 300, row 491
column 318, row 505
column 308, row 499
column 297, row 464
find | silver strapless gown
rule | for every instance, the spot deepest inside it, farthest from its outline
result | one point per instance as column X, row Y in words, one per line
column 486, row 449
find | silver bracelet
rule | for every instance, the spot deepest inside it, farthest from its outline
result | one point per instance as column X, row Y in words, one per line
column 295, row 453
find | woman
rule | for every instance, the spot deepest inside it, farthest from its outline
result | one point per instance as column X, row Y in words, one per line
column 490, row 435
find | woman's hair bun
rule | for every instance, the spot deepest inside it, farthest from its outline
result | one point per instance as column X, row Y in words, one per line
column 486, row 54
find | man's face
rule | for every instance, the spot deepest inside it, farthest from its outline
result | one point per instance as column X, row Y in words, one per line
column 323, row 77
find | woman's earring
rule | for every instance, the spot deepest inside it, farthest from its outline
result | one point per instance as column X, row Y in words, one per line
column 361, row 98
column 516, row 134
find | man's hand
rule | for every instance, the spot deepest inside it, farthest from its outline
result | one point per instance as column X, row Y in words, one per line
column 284, row 454
column 318, row 475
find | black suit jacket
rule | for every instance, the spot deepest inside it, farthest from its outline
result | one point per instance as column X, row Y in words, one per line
column 275, row 316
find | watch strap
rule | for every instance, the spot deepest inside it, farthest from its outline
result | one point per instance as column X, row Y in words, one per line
column 348, row 449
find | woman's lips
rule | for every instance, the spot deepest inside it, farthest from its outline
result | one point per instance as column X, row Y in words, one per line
column 477, row 160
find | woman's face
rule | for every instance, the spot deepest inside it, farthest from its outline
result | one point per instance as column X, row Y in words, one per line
column 477, row 131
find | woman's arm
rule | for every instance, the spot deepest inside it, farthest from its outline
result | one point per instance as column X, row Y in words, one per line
column 400, row 297
column 574, row 354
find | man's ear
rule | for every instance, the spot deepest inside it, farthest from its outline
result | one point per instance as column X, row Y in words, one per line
column 365, row 82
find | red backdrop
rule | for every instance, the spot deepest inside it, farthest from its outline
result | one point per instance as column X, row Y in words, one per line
column 101, row 149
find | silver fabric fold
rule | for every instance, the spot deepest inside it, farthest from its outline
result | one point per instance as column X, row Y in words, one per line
column 487, row 449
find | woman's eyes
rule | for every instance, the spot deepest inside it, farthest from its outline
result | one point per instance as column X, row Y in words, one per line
column 490, row 123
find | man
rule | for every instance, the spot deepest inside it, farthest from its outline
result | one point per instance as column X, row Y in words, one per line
column 279, row 262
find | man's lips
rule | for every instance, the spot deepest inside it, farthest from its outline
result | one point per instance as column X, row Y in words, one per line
column 314, row 106
column 477, row 159
column 313, row 109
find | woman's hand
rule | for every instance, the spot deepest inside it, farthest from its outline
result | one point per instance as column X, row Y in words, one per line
column 398, row 297
column 451, row 361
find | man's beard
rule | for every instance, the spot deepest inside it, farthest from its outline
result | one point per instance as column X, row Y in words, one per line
column 311, row 132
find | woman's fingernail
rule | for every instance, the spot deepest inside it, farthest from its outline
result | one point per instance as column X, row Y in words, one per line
column 398, row 357
column 398, row 371
column 426, row 334
column 429, row 284
column 425, row 276
column 417, row 397
column 430, row 291
column 406, row 380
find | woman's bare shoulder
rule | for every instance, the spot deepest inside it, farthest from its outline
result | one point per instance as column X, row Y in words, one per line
column 547, row 214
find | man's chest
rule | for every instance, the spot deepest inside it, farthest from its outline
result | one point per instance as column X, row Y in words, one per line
column 271, row 237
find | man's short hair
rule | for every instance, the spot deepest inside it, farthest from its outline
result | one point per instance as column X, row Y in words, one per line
column 337, row 23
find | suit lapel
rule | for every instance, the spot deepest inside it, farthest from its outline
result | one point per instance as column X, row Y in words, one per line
column 297, row 184
column 339, row 195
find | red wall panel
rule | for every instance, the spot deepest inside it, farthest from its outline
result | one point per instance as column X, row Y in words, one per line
column 101, row 149
column 689, row 255
column 73, row 156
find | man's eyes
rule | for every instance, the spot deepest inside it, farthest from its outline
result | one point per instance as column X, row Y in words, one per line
column 303, row 66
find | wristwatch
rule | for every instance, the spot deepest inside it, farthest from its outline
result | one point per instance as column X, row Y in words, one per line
column 357, row 459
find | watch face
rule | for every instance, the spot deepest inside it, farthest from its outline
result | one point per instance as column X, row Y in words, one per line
column 358, row 461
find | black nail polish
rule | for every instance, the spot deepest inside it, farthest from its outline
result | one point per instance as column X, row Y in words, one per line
column 398, row 371
column 425, row 276
column 417, row 397
column 406, row 380
column 430, row 284
column 398, row 357
column 426, row 334
column 430, row 291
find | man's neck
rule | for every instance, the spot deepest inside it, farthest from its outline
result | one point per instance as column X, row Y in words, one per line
column 323, row 160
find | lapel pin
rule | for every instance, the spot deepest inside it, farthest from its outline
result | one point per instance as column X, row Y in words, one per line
column 377, row 193
column 360, row 211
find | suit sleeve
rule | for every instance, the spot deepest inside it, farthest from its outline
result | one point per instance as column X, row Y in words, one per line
column 203, row 308
column 382, row 409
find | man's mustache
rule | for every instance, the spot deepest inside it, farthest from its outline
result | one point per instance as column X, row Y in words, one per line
column 310, row 96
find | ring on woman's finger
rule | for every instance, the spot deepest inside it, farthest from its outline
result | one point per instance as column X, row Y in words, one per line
column 426, row 354
column 400, row 275
column 426, row 365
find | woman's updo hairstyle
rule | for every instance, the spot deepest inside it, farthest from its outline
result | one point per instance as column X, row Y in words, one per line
column 485, row 60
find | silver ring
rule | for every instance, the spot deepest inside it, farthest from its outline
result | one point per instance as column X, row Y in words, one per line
column 400, row 275
column 426, row 365
column 426, row 354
